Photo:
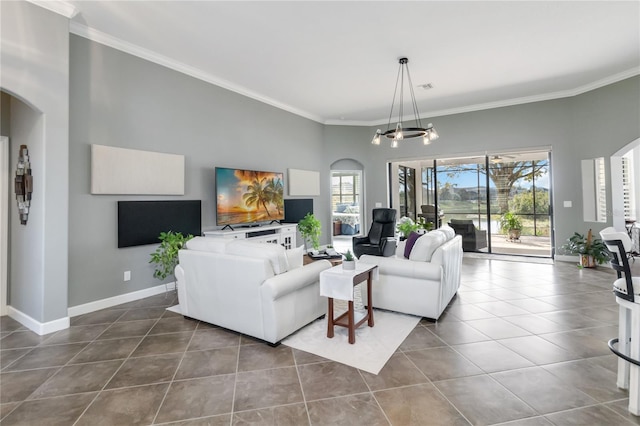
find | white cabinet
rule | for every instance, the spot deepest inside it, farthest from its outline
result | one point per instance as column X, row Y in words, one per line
column 284, row 235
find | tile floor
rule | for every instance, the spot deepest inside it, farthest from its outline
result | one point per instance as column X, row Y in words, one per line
column 521, row 344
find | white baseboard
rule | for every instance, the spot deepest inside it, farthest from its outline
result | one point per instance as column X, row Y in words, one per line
column 40, row 328
column 576, row 260
column 565, row 258
column 86, row 308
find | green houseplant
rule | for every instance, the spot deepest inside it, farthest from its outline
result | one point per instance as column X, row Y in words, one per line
column 165, row 258
column 310, row 229
column 592, row 251
column 406, row 226
column 349, row 262
column 511, row 225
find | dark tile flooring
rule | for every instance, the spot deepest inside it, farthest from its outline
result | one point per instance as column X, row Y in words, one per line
column 521, row 344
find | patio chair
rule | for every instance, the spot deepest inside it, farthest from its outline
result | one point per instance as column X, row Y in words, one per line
column 472, row 239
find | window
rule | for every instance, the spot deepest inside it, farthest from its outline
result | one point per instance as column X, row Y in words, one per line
column 345, row 189
column 628, row 188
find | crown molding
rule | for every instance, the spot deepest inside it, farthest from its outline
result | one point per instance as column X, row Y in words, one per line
column 60, row 7
column 151, row 56
column 507, row 102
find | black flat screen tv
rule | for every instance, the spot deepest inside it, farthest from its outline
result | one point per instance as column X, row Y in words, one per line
column 295, row 209
column 248, row 196
column 141, row 222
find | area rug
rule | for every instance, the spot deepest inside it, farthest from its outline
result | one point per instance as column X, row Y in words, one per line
column 374, row 345
column 175, row 308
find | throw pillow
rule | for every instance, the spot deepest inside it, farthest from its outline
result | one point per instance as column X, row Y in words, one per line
column 294, row 257
column 410, row 241
column 426, row 245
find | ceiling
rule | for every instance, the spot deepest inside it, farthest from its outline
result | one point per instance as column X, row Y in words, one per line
column 336, row 62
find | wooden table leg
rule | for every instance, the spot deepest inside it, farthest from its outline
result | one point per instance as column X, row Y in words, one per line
column 351, row 328
column 369, row 300
column 330, row 318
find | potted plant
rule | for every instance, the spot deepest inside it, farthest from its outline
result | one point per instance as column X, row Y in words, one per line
column 511, row 224
column 424, row 225
column 310, row 229
column 165, row 257
column 592, row 251
column 349, row 262
column 406, row 226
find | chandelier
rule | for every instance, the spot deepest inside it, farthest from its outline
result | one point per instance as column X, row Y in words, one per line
column 399, row 133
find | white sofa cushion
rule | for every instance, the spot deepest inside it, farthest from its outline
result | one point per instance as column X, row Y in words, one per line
column 274, row 253
column 294, row 258
column 425, row 246
column 448, row 231
column 210, row 244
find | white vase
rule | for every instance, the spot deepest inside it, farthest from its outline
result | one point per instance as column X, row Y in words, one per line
column 349, row 265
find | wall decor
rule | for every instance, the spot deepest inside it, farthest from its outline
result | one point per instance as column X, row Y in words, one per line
column 23, row 184
column 304, row 182
column 134, row 172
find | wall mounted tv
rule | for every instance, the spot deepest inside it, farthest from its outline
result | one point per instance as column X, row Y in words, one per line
column 248, row 196
column 140, row 222
column 296, row 209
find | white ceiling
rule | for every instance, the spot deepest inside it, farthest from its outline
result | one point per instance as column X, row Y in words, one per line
column 336, row 61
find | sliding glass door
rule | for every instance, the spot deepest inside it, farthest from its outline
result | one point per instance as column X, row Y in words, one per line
column 482, row 190
column 407, row 190
column 520, row 186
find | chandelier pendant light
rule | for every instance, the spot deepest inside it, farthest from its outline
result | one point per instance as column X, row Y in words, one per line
column 398, row 133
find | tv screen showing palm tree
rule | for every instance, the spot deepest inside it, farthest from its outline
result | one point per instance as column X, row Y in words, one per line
column 248, row 196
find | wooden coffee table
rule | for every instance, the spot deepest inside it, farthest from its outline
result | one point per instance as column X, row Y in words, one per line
column 347, row 319
column 306, row 259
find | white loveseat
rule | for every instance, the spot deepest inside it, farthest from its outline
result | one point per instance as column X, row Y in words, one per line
column 423, row 284
column 258, row 289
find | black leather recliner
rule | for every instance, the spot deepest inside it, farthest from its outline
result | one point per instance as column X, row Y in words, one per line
column 380, row 241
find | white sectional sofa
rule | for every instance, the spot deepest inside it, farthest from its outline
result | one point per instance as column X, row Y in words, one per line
column 424, row 283
column 258, row 289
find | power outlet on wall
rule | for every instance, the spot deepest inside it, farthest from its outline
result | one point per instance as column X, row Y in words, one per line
column 127, row 275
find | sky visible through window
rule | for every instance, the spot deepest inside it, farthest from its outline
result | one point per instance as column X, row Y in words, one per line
column 469, row 178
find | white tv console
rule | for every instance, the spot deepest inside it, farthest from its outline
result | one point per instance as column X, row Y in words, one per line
column 277, row 234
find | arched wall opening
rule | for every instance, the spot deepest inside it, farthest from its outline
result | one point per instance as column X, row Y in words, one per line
column 21, row 124
column 346, row 202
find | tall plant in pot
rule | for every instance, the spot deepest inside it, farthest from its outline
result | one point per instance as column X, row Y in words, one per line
column 310, row 228
column 511, row 225
column 165, row 258
column 592, row 251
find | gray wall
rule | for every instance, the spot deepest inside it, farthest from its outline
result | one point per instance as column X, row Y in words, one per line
column 35, row 70
column 120, row 100
column 590, row 125
column 5, row 115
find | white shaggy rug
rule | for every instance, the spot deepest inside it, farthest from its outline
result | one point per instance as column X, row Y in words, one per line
column 175, row 308
column 374, row 345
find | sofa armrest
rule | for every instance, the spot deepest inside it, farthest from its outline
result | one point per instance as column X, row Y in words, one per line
column 388, row 247
column 290, row 281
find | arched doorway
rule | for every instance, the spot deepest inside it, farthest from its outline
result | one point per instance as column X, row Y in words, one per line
column 347, row 201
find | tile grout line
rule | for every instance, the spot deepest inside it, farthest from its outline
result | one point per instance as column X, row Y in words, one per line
column 166, row 392
column 123, row 361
